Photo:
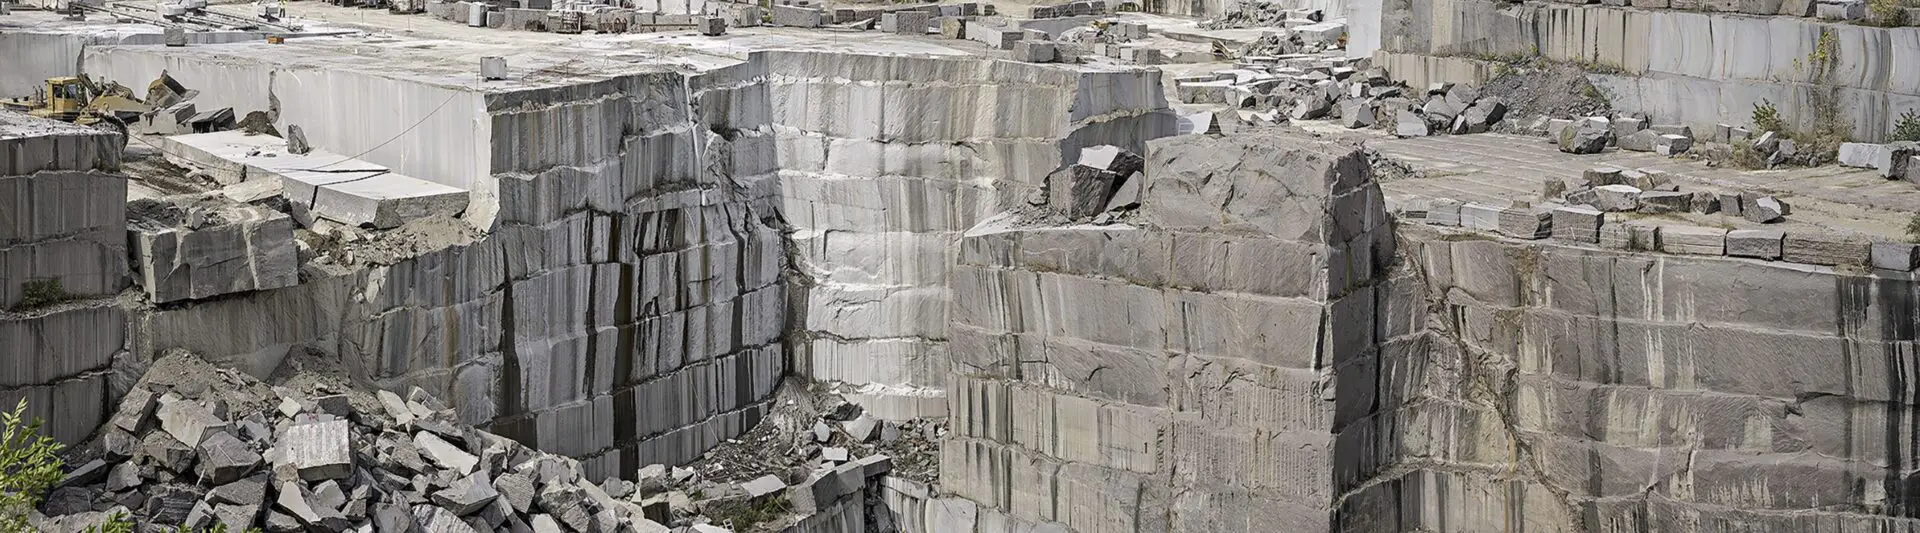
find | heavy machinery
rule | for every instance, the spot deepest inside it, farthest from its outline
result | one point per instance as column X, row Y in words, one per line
column 78, row 100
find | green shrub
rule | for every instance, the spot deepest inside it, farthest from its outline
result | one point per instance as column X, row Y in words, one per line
column 1913, row 229
column 29, row 466
column 1907, row 128
column 1887, row 13
column 40, row 293
column 1766, row 117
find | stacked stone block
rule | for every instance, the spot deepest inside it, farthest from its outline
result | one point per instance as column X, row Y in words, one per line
column 62, row 240
column 1180, row 374
column 878, row 197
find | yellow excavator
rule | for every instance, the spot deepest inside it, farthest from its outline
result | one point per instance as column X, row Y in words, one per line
column 78, row 100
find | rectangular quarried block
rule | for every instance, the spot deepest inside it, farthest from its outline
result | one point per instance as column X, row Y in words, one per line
column 253, row 250
column 1675, row 239
column 380, row 201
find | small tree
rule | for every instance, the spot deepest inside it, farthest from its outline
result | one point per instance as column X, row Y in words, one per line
column 29, row 465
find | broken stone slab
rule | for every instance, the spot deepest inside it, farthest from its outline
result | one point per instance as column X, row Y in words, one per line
column 1481, row 116
column 249, row 491
column 293, row 502
column 188, row 421
column 1825, row 249
column 874, row 465
column 1603, row 176
column 1634, row 236
column 517, row 489
column 1657, row 202
column 320, row 450
column 1705, row 203
column 1890, row 159
column 1409, row 123
column 1895, row 256
column 1584, row 139
column 236, row 517
column 862, row 429
column 1616, row 198
column 1079, row 191
column 1127, row 195
column 1671, row 145
column 327, row 496
column 431, row 519
column 1762, row 209
column 762, row 486
column 468, row 495
column 834, row 454
column 225, row 459
column 135, row 410
column 444, row 454
column 1729, row 203
column 1638, row 141
column 395, row 407
column 378, row 200
column 167, row 452
column 1692, row 240
column 1356, row 114
column 1578, row 224
column 1310, row 108
column 1526, row 223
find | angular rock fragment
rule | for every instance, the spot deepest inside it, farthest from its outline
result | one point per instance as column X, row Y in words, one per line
column 135, row 411
column 1630, row 236
column 1638, row 141
column 763, row 486
column 444, row 454
column 1705, row 203
column 1616, row 198
column 249, row 491
column 430, row 519
column 1671, row 145
column 187, row 421
column 1584, row 139
column 861, row 429
column 224, row 459
column 1409, row 123
column 468, row 495
column 1762, row 209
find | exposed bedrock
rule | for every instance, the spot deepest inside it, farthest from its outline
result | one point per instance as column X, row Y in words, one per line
column 884, row 161
column 1262, row 347
column 629, row 301
column 1677, row 66
column 1573, row 389
column 1188, row 373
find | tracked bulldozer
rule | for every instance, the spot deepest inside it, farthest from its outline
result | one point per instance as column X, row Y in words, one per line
column 78, row 100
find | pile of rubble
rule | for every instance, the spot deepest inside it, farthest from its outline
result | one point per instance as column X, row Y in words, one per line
column 1592, row 135
column 811, row 456
column 1104, row 187
column 1263, row 15
column 1314, row 87
column 1649, row 191
column 200, row 447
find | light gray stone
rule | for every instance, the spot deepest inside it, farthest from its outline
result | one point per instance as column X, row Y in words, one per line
column 1755, row 243
column 1693, row 240
column 1409, row 123
column 1825, row 249
column 1578, row 224
column 225, row 459
column 762, row 486
column 1895, row 256
column 188, row 421
column 468, row 495
column 320, row 450
column 1657, row 202
column 1443, row 212
column 444, row 454
column 1480, row 217
column 1639, row 141
column 1762, row 209
column 1636, row 236
column 1617, row 198
column 1526, row 223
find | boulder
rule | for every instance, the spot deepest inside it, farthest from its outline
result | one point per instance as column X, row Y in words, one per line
column 225, row 459
column 320, row 450
column 1583, row 140
column 467, row 495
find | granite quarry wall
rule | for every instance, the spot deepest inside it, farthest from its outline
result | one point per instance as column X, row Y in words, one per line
column 884, row 161
column 1302, row 360
column 1682, row 66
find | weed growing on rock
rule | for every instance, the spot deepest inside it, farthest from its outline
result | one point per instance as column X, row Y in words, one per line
column 1886, row 13
column 40, row 293
column 29, row 465
column 118, row 522
column 1913, row 229
column 1766, row 117
column 1907, row 128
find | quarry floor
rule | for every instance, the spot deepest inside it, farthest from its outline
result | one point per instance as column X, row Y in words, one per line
column 1496, row 168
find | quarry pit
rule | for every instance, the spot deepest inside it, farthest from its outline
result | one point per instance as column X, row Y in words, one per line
column 984, row 267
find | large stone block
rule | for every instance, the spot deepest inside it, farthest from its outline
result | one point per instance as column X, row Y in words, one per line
column 1755, row 243
column 1825, row 249
column 1578, row 224
column 319, row 450
column 1695, row 240
column 248, row 249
